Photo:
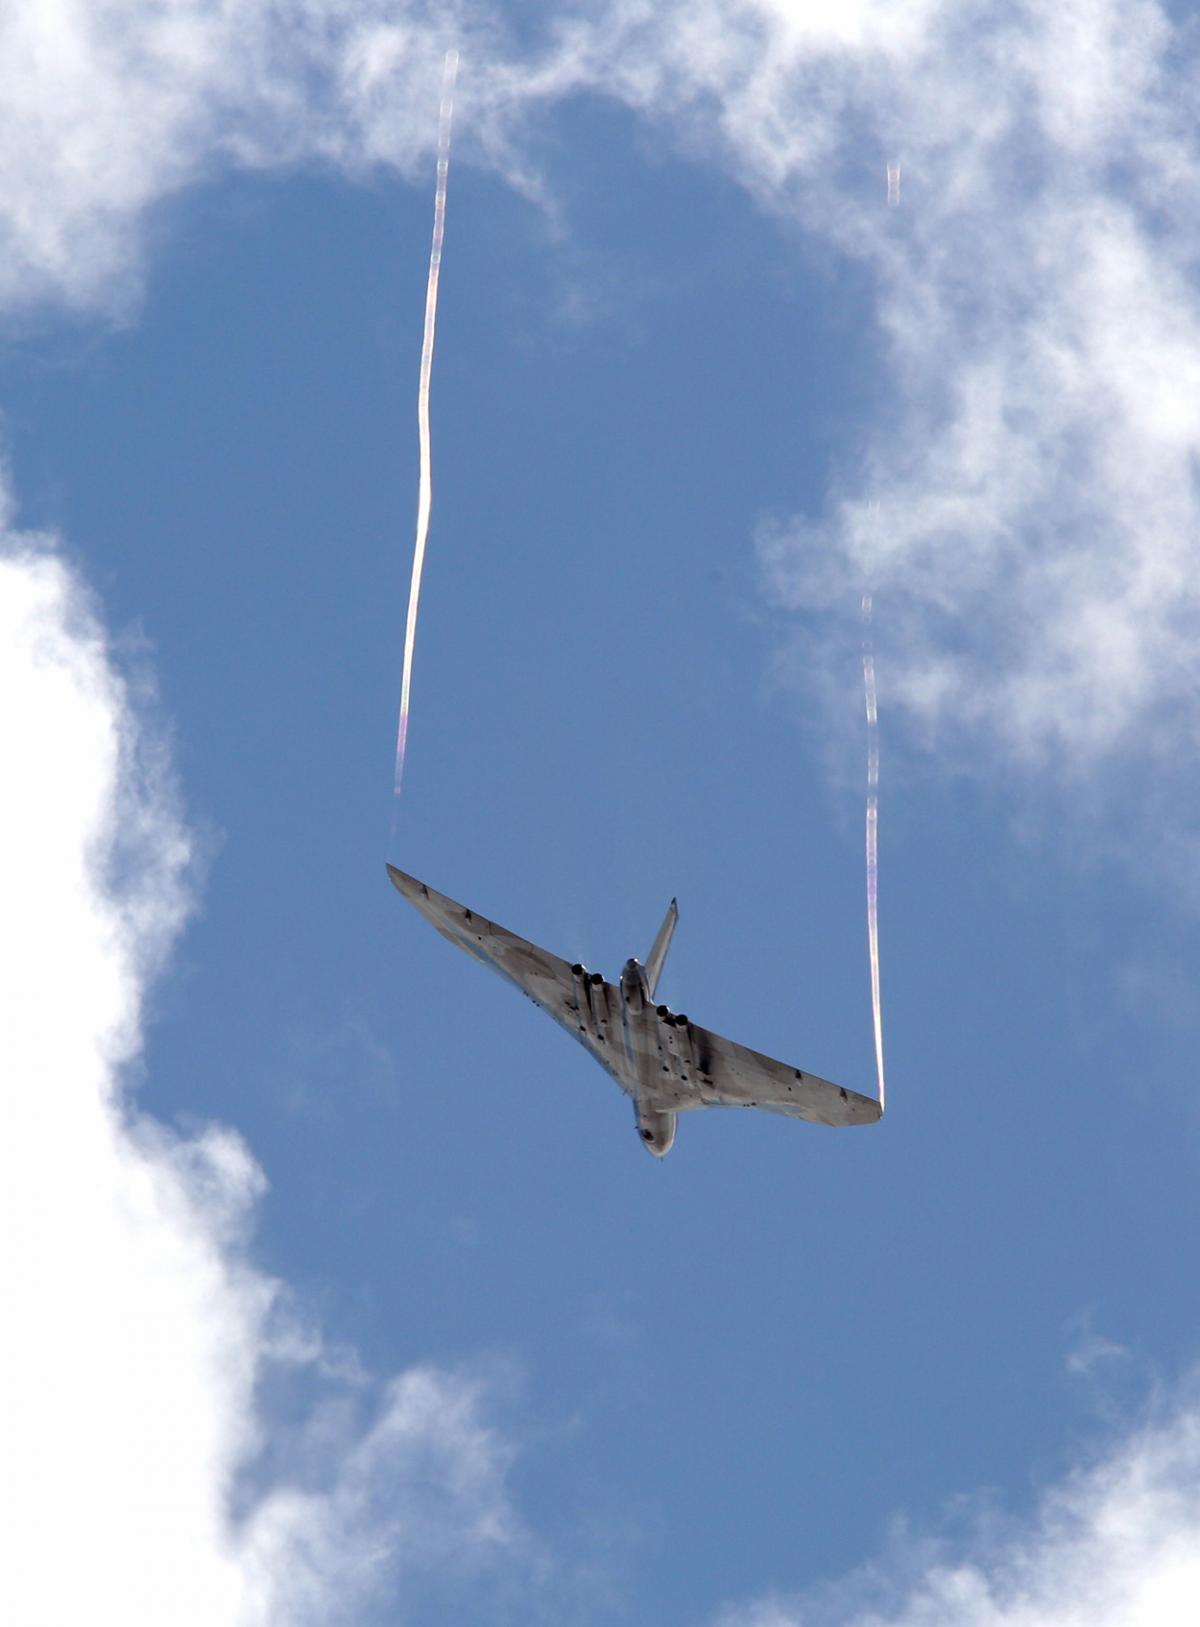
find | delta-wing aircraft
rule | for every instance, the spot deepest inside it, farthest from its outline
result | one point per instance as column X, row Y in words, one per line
column 665, row 1062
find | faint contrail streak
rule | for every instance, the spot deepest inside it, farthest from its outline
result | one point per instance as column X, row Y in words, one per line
column 425, row 490
column 873, row 835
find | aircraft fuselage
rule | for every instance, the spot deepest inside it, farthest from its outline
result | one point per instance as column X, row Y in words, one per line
column 627, row 1042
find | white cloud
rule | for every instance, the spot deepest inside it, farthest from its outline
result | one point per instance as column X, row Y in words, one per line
column 1034, row 461
column 140, row 1339
column 419, row 1491
column 1033, row 552
column 1117, row 1545
column 1034, row 447
column 109, row 106
column 1091, row 1351
column 1024, row 499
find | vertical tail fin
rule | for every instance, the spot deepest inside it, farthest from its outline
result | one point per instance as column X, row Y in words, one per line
column 654, row 962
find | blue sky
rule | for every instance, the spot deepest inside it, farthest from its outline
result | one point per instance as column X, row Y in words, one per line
column 368, row 1304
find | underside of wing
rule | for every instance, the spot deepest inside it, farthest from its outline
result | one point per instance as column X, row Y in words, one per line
column 732, row 1075
column 535, row 971
column 583, row 1003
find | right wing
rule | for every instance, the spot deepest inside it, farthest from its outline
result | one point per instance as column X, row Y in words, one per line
column 730, row 1075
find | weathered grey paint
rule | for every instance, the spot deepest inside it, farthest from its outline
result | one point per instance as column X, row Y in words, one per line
column 665, row 1062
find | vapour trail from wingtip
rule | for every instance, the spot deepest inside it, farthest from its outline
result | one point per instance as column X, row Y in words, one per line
column 425, row 489
column 873, row 836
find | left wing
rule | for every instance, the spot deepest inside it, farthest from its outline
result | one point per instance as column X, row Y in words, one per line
column 584, row 1004
column 725, row 1074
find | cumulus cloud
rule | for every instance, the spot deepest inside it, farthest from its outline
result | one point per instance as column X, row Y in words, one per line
column 1023, row 499
column 1031, row 454
column 1023, row 503
column 141, row 1341
column 1117, row 1545
column 109, row 106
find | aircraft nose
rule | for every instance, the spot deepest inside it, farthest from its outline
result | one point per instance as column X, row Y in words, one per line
column 656, row 1131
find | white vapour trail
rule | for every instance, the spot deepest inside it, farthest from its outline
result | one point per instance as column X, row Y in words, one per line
column 873, row 837
column 425, row 492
